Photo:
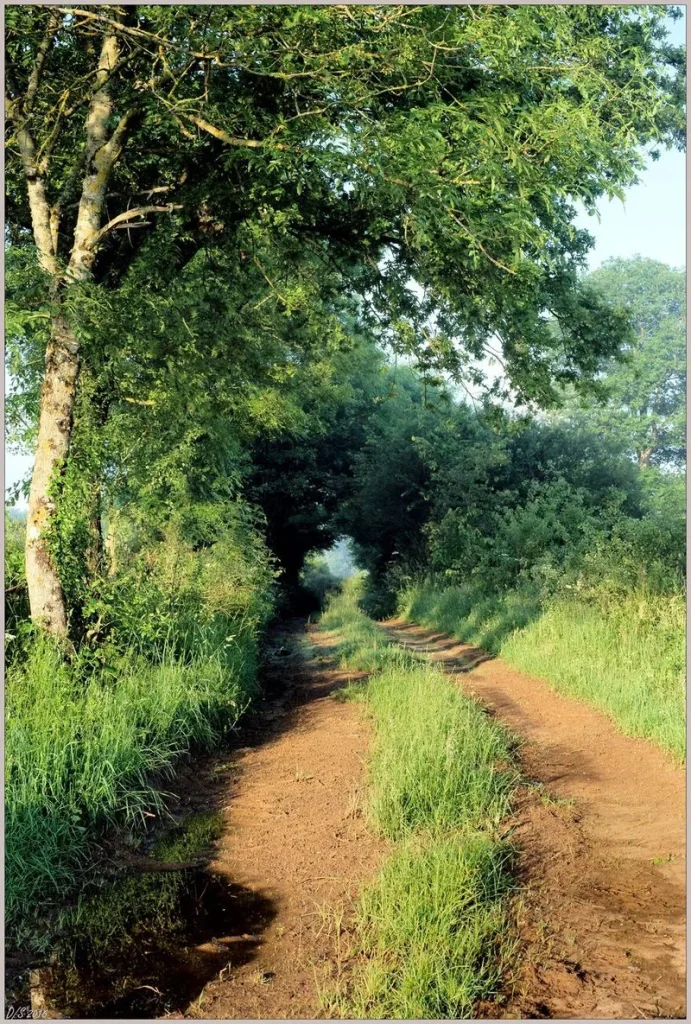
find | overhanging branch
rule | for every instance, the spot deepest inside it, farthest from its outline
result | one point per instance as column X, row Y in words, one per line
column 136, row 211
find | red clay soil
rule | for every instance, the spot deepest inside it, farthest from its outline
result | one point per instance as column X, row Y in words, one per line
column 295, row 838
column 601, row 850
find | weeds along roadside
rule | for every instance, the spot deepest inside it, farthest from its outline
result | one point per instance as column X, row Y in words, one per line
column 92, row 743
column 432, row 930
column 624, row 656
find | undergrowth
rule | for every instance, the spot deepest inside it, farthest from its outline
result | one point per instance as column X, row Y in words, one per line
column 431, row 930
column 94, row 728
column 624, row 656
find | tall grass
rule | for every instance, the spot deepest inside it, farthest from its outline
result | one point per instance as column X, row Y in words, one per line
column 625, row 657
column 82, row 750
column 437, row 762
column 431, row 929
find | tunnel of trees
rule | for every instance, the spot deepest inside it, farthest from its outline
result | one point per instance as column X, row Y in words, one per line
column 259, row 262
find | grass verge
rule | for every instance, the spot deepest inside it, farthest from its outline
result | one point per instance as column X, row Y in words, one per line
column 431, row 930
column 627, row 659
column 82, row 752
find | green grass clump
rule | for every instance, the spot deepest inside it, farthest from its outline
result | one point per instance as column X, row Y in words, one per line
column 81, row 752
column 626, row 658
column 438, row 761
column 628, row 661
column 486, row 620
column 362, row 646
column 431, row 930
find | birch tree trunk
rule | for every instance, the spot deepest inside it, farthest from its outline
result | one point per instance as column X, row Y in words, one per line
column 46, row 597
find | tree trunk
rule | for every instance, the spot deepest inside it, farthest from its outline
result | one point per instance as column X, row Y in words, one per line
column 46, row 598
column 644, row 457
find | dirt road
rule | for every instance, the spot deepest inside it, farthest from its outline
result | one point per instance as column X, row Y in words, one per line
column 294, row 838
column 599, row 830
column 600, row 834
column 602, row 849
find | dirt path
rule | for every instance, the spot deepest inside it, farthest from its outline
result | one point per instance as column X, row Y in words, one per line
column 600, row 838
column 294, row 840
column 602, row 850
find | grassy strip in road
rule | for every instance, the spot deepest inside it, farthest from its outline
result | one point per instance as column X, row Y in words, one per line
column 625, row 658
column 431, row 930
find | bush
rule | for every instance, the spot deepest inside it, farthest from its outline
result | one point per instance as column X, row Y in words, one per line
column 317, row 578
column 204, row 578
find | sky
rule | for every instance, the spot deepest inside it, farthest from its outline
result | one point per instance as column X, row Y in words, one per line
column 651, row 223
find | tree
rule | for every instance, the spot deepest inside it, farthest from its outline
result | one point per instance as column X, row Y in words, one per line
column 302, row 477
column 446, row 145
column 388, row 504
column 646, row 392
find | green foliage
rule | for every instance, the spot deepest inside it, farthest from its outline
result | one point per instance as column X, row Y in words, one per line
column 647, row 389
column 16, row 597
column 431, row 929
column 302, row 477
column 318, row 578
column 508, row 501
column 207, row 576
column 310, row 165
column 302, row 156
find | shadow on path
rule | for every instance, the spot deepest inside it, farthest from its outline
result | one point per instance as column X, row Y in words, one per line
column 179, row 929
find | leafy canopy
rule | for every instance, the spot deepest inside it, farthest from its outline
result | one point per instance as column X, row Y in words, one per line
column 445, row 145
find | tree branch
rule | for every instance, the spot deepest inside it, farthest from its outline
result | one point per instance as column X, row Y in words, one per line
column 230, row 140
column 101, row 153
column 136, row 33
column 35, row 77
column 479, row 244
column 137, row 211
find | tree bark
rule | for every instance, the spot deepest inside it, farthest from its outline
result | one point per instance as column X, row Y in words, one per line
column 110, row 548
column 46, row 597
